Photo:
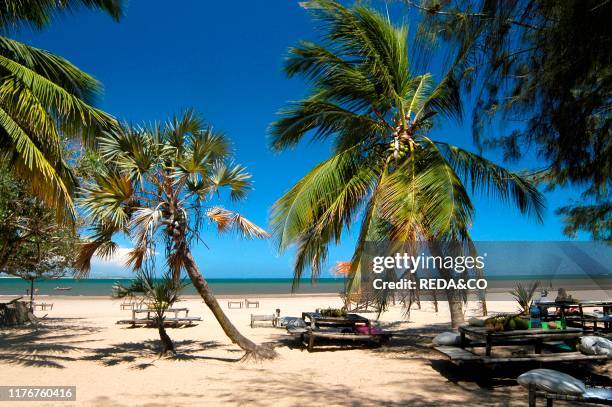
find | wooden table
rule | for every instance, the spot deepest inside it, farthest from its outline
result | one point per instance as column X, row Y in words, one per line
column 563, row 305
column 316, row 320
column 337, row 328
column 518, row 337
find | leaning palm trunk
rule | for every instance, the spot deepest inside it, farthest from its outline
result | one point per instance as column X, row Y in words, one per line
column 252, row 350
column 157, row 184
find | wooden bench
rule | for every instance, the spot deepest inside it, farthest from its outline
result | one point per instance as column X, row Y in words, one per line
column 42, row 305
column 585, row 398
column 271, row 318
column 248, row 303
column 167, row 321
column 378, row 339
column 458, row 355
column 230, row 304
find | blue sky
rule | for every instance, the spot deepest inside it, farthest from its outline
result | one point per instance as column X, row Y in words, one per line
column 224, row 59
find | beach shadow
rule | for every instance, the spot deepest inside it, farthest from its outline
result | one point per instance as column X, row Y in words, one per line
column 301, row 390
column 45, row 345
column 135, row 352
column 504, row 375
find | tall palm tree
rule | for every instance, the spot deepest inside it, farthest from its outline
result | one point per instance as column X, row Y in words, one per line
column 157, row 185
column 384, row 171
column 44, row 98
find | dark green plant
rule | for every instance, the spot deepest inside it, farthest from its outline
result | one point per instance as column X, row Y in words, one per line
column 33, row 244
column 542, row 68
column 159, row 295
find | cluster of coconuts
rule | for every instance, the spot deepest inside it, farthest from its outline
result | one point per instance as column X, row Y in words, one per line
column 506, row 323
column 175, row 221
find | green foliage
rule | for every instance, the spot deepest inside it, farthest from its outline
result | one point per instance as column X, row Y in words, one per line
column 545, row 65
column 33, row 244
column 333, row 312
column 39, row 13
column 384, row 170
column 523, row 294
column 43, row 97
column 159, row 293
column 155, row 184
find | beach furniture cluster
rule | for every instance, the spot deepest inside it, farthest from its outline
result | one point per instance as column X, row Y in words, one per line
column 349, row 327
column 551, row 341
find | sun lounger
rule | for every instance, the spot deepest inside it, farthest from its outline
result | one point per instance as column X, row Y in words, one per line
column 255, row 304
column 234, row 304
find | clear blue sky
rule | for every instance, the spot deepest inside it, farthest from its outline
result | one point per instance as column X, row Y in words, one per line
column 224, row 59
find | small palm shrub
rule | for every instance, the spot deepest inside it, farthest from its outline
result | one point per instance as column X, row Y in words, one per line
column 523, row 294
column 160, row 294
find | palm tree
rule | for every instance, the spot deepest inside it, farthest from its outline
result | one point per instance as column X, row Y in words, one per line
column 384, row 170
column 157, row 185
column 159, row 294
column 43, row 98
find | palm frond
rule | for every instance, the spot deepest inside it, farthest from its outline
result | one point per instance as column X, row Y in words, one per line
column 494, row 180
column 230, row 221
column 39, row 13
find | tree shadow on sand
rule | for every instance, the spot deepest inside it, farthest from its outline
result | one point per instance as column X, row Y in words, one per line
column 45, row 345
column 304, row 391
column 136, row 352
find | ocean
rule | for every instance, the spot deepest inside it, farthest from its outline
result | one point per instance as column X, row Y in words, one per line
column 103, row 287
column 228, row 286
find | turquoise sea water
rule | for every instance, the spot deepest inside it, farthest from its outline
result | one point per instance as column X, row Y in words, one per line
column 103, row 287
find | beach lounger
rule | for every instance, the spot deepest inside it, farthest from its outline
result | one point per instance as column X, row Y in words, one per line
column 234, row 304
column 248, row 303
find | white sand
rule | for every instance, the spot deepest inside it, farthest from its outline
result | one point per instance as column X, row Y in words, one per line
column 114, row 365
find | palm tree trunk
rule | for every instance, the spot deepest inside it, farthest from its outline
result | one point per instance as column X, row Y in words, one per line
column 252, row 349
column 455, row 303
column 167, row 344
column 32, row 294
column 454, row 297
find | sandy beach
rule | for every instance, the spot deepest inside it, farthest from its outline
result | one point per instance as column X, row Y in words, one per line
column 80, row 344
